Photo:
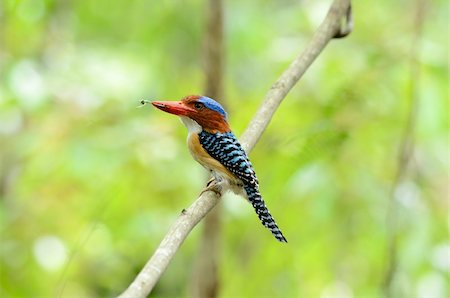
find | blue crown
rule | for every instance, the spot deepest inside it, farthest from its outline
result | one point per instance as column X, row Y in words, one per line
column 213, row 105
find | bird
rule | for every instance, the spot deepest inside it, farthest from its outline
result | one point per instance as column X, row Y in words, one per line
column 212, row 144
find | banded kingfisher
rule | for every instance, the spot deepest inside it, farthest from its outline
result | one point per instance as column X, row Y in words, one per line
column 212, row 144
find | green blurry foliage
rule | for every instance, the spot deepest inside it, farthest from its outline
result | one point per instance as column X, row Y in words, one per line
column 89, row 184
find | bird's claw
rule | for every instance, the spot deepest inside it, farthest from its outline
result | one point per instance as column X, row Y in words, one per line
column 214, row 186
column 210, row 181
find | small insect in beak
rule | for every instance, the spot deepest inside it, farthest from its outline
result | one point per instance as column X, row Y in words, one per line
column 143, row 103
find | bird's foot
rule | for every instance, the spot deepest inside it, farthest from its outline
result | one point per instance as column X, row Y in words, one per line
column 213, row 185
column 212, row 180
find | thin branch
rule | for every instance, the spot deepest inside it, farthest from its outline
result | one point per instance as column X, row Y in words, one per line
column 329, row 28
column 214, row 50
column 348, row 25
column 405, row 151
column 204, row 280
column 155, row 267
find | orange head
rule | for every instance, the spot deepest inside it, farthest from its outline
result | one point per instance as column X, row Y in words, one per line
column 208, row 113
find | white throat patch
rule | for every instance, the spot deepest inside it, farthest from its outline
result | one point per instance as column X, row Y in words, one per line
column 191, row 125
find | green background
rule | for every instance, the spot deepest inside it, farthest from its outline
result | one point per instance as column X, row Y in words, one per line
column 89, row 184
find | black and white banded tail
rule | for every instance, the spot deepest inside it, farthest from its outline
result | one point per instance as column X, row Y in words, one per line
column 225, row 148
column 263, row 213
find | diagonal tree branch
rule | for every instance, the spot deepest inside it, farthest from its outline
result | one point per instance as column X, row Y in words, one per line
column 189, row 218
column 329, row 29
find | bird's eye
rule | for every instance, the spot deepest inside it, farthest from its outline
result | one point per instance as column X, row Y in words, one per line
column 198, row 106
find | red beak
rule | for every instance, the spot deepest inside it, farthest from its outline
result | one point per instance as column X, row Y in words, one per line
column 173, row 107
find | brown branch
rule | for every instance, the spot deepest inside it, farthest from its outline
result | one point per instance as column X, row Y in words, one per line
column 155, row 267
column 204, row 281
column 213, row 50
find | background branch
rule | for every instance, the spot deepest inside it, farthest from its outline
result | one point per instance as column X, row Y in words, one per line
column 152, row 271
column 205, row 274
column 405, row 152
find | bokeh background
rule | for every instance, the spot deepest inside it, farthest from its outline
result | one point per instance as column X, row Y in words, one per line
column 89, row 184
